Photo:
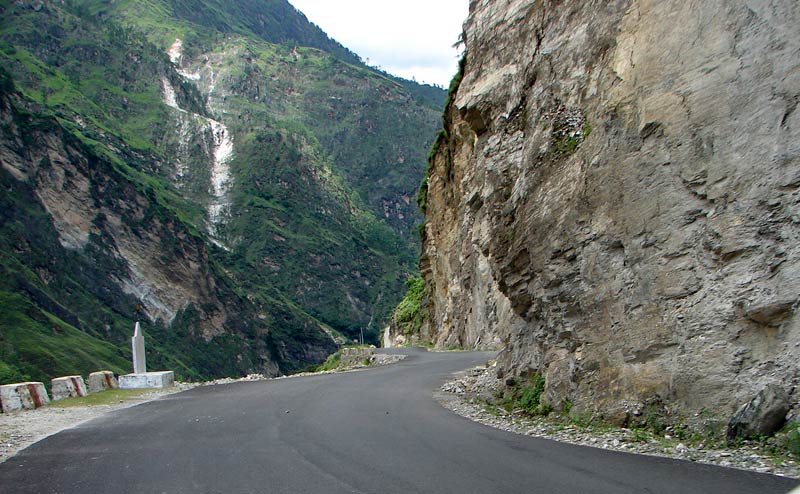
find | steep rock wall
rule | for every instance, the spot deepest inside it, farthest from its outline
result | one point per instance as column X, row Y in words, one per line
column 616, row 201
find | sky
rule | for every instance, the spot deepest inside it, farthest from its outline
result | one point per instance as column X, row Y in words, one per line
column 412, row 39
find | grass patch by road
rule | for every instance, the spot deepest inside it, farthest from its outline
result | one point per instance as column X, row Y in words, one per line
column 110, row 397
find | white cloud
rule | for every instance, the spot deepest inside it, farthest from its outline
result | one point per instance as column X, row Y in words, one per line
column 412, row 39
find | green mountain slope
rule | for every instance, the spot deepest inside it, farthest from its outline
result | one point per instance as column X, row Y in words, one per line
column 113, row 186
column 275, row 21
column 374, row 128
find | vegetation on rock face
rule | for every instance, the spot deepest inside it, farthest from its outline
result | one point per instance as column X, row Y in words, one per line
column 789, row 440
column 320, row 228
column 526, row 397
column 455, row 83
column 410, row 312
column 566, row 143
column 442, row 137
column 331, row 363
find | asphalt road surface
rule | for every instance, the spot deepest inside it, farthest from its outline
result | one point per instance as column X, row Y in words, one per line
column 373, row 431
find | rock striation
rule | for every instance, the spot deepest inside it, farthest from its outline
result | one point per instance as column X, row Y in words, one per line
column 615, row 202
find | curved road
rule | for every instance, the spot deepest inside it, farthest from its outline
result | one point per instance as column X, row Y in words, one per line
column 377, row 431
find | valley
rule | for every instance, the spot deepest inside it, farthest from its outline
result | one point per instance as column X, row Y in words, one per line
column 251, row 188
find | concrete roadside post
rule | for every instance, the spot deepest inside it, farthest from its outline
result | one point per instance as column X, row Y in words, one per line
column 141, row 378
column 22, row 396
column 102, row 381
column 68, row 387
column 137, row 344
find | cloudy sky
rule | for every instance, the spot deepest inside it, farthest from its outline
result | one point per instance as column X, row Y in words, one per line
column 412, row 39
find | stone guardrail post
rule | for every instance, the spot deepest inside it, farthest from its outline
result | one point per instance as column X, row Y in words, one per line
column 23, row 396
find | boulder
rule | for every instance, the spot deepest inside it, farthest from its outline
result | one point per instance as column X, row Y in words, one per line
column 762, row 416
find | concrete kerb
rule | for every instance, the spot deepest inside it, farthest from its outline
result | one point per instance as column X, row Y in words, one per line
column 32, row 395
column 23, row 396
column 102, row 381
column 67, row 387
column 160, row 380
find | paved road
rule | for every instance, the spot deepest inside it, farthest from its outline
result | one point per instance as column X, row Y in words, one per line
column 376, row 431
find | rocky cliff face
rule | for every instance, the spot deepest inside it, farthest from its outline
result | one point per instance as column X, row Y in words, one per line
column 616, row 201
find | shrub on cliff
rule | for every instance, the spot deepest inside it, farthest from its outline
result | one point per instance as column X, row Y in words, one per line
column 527, row 397
column 410, row 314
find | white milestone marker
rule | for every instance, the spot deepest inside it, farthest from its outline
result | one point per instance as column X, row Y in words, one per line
column 141, row 379
column 137, row 343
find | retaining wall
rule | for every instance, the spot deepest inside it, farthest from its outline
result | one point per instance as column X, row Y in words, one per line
column 352, row 356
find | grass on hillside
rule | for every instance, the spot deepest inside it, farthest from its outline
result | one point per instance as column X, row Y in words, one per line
column 33, row 340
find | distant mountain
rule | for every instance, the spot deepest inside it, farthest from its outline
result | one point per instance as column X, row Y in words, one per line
column 225, row 163
column 362, row 117
column 275, row 21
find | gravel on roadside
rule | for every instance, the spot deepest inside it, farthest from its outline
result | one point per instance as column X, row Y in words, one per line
column 18, row 430
column 458, row 395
